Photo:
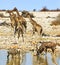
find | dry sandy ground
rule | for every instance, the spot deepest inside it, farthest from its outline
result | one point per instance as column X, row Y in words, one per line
column 7, row 37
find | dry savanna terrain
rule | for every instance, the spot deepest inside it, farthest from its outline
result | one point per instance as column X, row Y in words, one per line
column 50, row 22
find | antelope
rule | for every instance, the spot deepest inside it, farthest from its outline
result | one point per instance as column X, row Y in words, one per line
column 45, row 45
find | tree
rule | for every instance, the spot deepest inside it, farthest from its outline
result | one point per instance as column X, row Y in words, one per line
column 34, row 10
column 44, row 9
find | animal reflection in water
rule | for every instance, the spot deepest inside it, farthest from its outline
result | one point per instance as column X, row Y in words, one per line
column 45, row 60
column 13, row 57
column 40, row 60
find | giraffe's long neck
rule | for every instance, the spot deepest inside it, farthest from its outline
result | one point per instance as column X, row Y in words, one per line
column 19, row 16
column 11, row 18
column 17, row 12
column 32, row 21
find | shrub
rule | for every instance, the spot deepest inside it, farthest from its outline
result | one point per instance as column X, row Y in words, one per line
column 56, row 22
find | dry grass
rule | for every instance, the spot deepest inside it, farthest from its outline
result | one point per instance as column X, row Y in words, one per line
column 6, row 32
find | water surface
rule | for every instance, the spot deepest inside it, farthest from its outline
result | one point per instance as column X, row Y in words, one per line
column 28, row 59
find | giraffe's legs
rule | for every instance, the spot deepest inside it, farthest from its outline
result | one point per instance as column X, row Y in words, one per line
column 33, row 30
column 22, row 34
column 20, row 31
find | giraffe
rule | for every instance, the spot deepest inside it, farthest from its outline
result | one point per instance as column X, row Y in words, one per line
column 13, row 21
column 18, row 27
column 16, row 24
column 36, row 27
column 21, row 18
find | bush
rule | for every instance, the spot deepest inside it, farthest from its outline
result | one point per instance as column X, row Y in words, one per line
column 44, row 9
column 56, row 22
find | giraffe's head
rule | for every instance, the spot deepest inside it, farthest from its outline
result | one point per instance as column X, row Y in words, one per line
column 15, row 9
column 26, row 14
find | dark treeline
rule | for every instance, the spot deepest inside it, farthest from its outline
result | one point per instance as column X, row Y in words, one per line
column 43, row 9
column 46, row 9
